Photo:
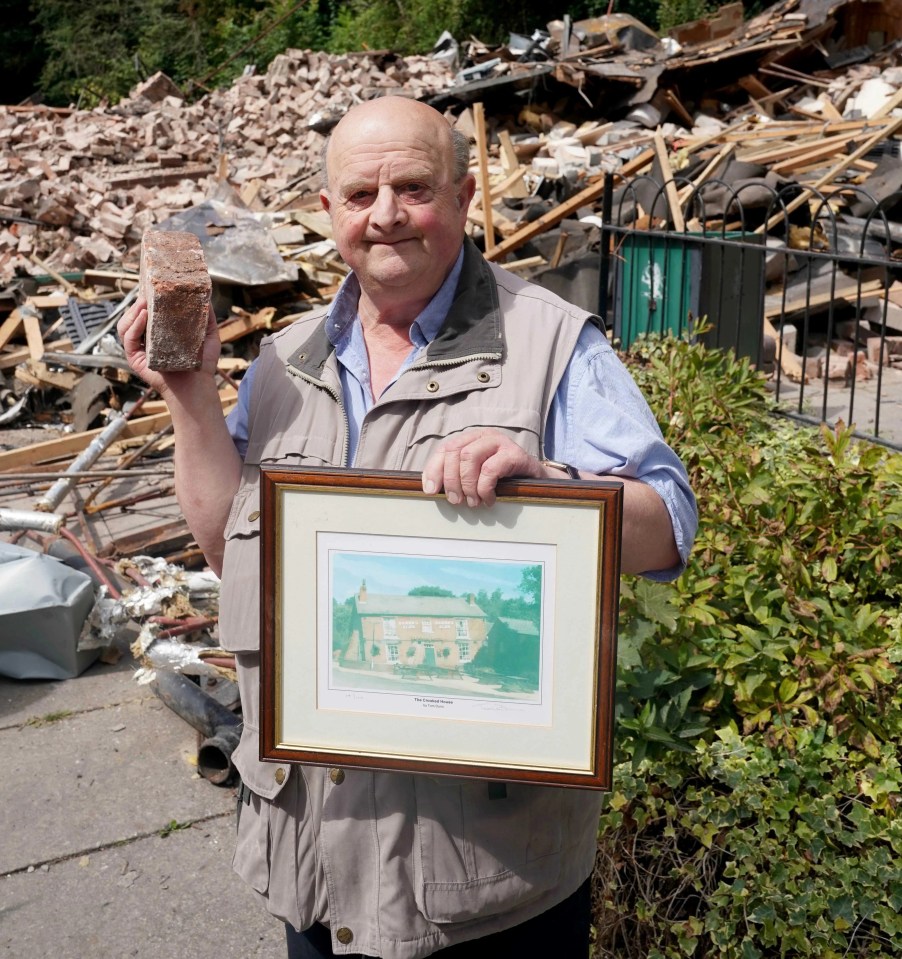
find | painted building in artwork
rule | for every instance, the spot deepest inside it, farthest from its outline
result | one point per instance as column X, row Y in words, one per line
column 396, row 631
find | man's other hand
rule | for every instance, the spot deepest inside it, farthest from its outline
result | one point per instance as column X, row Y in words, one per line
column 468, row 467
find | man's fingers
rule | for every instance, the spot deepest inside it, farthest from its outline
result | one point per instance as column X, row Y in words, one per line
column 451, row 476
column 468, row 467
column 132, row 324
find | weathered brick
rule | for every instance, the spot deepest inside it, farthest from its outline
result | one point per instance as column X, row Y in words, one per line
column 175, row 282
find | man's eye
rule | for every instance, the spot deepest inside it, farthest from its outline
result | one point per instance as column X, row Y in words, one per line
column 413, row 189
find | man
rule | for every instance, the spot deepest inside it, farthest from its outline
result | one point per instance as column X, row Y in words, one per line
column 428, row 359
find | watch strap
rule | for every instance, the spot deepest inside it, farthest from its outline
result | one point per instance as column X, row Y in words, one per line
column 571, row 471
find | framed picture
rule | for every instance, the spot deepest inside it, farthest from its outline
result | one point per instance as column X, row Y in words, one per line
column 400, row 632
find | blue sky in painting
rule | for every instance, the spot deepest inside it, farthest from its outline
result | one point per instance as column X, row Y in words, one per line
column 400, row 574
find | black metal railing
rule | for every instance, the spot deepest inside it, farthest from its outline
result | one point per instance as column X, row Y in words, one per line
column 805, row 292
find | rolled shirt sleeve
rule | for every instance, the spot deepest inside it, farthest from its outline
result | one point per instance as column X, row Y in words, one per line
column 600, row 422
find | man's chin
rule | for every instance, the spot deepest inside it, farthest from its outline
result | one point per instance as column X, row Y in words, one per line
column 393, row 262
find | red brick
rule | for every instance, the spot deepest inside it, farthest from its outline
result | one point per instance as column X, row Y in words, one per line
column 175, row 282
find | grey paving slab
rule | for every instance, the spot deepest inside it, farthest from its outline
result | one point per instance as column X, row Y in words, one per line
column 101, row 685
column 859, row 407
column 154, row 898
column 97, row 776
column 95, row 771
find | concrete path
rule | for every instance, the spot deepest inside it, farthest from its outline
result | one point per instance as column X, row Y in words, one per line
column 111, row 845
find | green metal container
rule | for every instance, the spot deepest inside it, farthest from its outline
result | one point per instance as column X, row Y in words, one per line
column 666, row 282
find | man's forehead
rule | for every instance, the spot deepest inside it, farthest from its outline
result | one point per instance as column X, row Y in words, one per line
column 387, row 166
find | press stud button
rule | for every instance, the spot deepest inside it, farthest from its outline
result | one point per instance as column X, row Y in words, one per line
column 483, row 377
column 337, row 776
column 253, row 517
column 344, row 936
column 279, row 776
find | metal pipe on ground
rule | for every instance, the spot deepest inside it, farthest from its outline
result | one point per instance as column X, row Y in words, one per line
column 219, row 726
column 22, row 519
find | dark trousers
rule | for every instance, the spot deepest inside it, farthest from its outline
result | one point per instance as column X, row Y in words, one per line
column 560, row 933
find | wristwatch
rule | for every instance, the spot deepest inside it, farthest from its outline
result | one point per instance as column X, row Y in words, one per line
column 571, row 471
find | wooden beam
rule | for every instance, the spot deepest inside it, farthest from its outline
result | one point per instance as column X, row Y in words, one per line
column 710, row 169
column 246, row 323
column 882, row 134
column 74, row 443
column 484, row 188
column 511, row 164
column 894, row 101
column 670, row 190
column 10, row 327
column 589, row 195
column 850, row 294
column 40, row 375
column 510, row 185
column 33, row 338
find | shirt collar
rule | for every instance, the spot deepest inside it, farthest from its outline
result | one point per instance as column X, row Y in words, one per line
column 424, row 329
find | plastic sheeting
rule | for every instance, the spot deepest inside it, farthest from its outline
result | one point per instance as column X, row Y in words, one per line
column 238, row 247
column 43, row 607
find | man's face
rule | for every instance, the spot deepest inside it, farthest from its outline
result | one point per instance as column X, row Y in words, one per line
column 397, row 214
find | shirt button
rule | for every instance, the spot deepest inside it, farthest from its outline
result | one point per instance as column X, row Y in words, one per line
column 338, row 777
column 253, row 517
column 279, row 775
column 344, row 936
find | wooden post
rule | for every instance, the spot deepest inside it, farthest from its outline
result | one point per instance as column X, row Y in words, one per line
column 482, row 154
column 670, row 190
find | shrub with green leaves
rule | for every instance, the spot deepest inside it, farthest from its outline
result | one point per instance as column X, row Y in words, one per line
column 755, row 806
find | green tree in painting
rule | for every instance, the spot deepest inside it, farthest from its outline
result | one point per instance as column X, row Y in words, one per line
column 430, row 591
column 342, row 618
column 531, row 584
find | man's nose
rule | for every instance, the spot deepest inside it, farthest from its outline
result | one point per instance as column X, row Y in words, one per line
column 387, row 209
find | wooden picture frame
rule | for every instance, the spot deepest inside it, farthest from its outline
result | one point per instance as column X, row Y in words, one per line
column 376, row 650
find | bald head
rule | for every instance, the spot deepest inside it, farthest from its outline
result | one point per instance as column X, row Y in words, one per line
column 384, row 113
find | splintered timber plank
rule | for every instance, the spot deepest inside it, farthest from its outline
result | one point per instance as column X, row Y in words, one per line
column 553, row 217
column 670, row 190
column 74, row 443
column 242, row 325
column 10, row 327
column 882, row 134
column 168, row 535
column 484, row 187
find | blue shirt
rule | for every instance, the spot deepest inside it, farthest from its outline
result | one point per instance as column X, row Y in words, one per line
column 598, row 421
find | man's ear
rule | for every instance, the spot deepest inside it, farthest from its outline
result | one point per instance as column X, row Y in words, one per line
column 465, row 192
column 324, row 200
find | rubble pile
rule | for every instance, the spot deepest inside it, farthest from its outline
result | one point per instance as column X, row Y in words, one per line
column 78, row 188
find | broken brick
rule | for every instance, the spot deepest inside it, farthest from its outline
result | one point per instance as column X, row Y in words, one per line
column 175, row 282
